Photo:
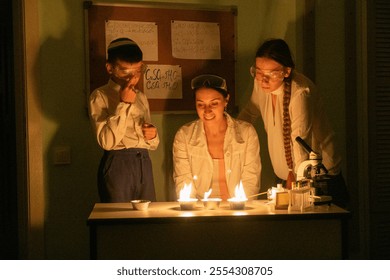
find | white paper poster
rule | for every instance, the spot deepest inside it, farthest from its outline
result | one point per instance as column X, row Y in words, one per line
column 163, row 82
column 143, row 33
column 195, row 40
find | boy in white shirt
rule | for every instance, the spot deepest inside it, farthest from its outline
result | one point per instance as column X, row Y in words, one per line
column 120, row 118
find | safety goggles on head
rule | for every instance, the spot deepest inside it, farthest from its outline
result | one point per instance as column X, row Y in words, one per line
column 129, row 72
column 273, row 75
column 209, row 81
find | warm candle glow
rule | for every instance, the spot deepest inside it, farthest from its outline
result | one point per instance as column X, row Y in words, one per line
column 207, row 194
column 186, row 202
column 210, row 203
column 185, row 192
column 239, row 193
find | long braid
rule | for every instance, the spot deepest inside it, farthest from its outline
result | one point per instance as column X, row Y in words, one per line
column 287, row 131
column 278, row 51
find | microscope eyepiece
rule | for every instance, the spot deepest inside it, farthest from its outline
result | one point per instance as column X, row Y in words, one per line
column 304, row 144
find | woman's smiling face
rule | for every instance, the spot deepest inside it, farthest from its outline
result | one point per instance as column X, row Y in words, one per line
column 210, row 104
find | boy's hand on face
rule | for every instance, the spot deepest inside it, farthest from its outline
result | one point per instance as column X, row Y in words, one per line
column 128, row 93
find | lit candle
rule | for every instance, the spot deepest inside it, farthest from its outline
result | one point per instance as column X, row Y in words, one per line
column 186, row 202
column 238, row 201
column 210, row 203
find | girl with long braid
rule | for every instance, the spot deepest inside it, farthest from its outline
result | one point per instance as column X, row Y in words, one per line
column 290, row 106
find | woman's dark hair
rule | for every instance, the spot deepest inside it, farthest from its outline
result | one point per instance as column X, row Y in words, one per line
column 278, row 50
column 124, row 49
column 212, row 81
column 224, row 93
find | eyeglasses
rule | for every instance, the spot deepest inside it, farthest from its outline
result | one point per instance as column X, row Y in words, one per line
column 259, row 75
column 130, row 72
column 209, row 81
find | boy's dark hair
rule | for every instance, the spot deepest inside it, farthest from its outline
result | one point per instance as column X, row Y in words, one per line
column 124, row 49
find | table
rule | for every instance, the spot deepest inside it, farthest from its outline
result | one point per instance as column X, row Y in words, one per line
column 164, row 231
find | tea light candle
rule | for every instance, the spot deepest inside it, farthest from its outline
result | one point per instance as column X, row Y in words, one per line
column 238, row 201
column 186, row 202
column 211, row 203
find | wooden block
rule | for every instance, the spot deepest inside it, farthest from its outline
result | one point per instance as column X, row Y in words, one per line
column 282, row 200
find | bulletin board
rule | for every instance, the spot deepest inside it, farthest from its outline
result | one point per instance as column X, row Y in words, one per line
column 179, row 42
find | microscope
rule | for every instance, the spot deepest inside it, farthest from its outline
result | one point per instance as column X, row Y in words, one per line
column 312, row 172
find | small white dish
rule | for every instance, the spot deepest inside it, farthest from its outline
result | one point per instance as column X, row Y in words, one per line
column 140, row 204
column 211, row 203
column 237, row 204
column 187, row 204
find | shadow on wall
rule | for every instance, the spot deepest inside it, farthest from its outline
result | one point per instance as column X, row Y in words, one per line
column 70, row 189
column 172, row 123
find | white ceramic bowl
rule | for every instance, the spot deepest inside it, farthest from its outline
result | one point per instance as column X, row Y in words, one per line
column 140, row 204
column 211, row 203
column 236, row 204
column 187, row 204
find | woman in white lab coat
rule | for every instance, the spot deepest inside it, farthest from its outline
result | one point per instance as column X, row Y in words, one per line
column 291, row 107
column 215, row 151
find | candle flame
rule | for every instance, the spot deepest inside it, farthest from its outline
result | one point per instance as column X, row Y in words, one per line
column 239, row 193
column 207, row 194
column 185, row 192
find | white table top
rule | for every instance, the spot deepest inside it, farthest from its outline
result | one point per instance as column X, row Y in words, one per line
column 255, row 208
